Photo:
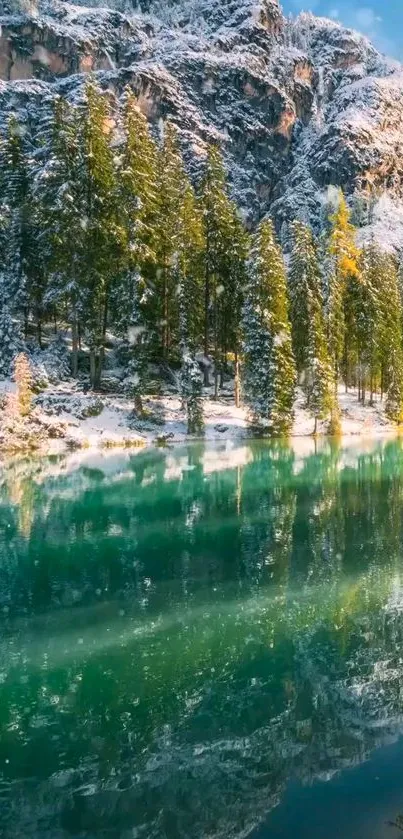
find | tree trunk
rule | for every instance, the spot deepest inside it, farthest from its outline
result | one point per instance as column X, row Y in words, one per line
column 74, row 353
column 222, row 367
column 206, row 317
column 237, row 382
column 165, row 317
column 93, row 365
column 216, row 347
column 138, row 405
column 39, row 333
column 98, row 370
column 101, row 357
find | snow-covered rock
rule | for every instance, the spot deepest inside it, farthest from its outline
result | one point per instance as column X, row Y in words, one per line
column 298, row 104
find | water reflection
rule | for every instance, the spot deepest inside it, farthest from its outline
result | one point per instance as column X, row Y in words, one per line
column 185, row 631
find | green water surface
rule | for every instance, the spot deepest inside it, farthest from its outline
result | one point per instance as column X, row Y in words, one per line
column 203, row 642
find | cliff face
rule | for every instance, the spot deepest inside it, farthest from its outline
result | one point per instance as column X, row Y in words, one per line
column 299, row 105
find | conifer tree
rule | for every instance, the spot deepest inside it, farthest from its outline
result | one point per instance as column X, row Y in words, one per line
column 302, row 278
column 269, row 369
column 345, row 266
column 171, row 182
column 21, row 253
column 105, row 235
column 320, row 375
column 394, row 400
column 138, row 202
column 9, row 339
column 367, row 315
column 233, row 298
column 192, row 389
column 58, row 188
column 189, row 277
column 219, row 229
column 390, row 340
column 308, row 323
column 188, row 265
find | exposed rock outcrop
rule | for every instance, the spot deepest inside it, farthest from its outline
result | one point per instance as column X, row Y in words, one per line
column 298, row 105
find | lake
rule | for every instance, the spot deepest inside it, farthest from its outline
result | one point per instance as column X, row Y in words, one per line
column 203, row 642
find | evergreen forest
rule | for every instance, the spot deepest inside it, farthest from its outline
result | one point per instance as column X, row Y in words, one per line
column 103, row 235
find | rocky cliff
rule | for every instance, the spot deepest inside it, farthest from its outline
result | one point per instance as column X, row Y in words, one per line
column 300, row 105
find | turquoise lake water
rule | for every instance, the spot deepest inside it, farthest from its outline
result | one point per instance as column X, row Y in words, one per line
column 203, row 642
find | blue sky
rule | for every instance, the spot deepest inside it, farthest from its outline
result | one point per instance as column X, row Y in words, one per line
column 381, row 20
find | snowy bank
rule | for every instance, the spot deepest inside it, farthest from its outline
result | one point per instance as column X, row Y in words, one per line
column 66, row 417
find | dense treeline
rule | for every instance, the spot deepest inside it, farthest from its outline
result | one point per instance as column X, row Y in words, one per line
column 102, row 232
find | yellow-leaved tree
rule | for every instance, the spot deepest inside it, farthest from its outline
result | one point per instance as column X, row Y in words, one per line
column 342, row 285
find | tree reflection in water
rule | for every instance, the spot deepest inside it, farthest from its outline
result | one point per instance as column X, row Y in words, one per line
column 184, row 631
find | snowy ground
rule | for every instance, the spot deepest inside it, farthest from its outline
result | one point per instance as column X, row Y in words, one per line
column 114, row 425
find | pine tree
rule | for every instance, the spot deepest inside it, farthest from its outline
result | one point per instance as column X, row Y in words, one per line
column 233, row 298
column 171, row 182
column 189, row 277
column 138, row 202
column 9, row 343
column 390, row 339
column 344, row 268
column 303, row 278
column 320, row 375
column 394, row 400
column 308, row 323
column 188, row 266
column 221, row 234
column 105, row 235
column 368, row 314
column 269, row 369
column 20, row 257
column 192, row 389
column 58, row 189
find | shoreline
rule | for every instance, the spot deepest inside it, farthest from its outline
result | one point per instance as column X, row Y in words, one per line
column 101, row 442
column 65, row 420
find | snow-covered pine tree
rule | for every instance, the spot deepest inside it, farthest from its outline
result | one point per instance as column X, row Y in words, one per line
column 58, row 191
column 105, row 239
column 367, row 313
column 138, row 199
column 390, row 339
column 192, row 392
column 189, row 266
column 191, row 379
column 298, row 288
column 394, row 399
column 319, row 371
column 171, row 178
column 344, row 266
column 233, row 299
column 308, row 323
column 189, row 273
column 18, row 237
column 9, row 336
column 269, row 369
column 304, row 282
column 219, row 231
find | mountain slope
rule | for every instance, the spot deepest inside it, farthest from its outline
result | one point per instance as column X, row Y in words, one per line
column 299, row 105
